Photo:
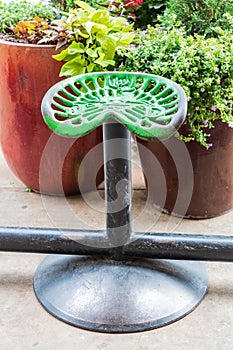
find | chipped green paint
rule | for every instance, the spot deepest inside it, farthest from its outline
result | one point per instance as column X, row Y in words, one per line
column 149, row 106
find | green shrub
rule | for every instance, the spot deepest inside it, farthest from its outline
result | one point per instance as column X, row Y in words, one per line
column 203, row 67
column 200, row 16
column 149, row 12
column 22, row 10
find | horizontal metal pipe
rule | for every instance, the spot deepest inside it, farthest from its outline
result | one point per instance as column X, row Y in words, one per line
column 53, row 241
column 147, row 245
column 181, row 246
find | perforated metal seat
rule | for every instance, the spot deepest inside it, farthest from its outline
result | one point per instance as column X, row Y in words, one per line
column 149, row 106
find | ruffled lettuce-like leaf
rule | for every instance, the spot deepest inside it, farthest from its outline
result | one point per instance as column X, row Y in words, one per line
column 108, row 45
column 102, row 17
column 92, row 52
column 75, row 48
column 70, row 52
column 103, row 61
column 74, row 67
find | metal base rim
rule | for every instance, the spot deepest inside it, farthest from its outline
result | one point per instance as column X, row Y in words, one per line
column 104, row 295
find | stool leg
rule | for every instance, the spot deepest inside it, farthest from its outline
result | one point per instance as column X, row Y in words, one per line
column 118, row 183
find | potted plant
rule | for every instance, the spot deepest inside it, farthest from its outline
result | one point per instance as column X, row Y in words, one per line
column 202, row 63
column 26, row 50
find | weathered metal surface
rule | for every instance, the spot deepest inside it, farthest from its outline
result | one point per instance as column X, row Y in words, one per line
column 131, row 295
column 118, row 183
column 149, row 245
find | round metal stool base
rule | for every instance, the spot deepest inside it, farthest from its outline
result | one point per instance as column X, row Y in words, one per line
column 133, row 295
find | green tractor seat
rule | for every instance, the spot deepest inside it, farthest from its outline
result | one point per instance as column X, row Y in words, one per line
column 149, row 106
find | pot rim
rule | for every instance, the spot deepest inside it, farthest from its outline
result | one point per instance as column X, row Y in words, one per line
column 12, row 43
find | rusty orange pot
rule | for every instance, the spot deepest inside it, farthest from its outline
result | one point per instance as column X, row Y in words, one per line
column 188, row 180
column 27, row 72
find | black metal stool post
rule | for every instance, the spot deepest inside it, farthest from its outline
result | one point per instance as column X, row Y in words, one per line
column 117, row 160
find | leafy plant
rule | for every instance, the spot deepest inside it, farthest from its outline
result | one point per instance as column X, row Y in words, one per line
column 141, row 12
column 22, row 10
column 37, row 31
column 200, row 16
column 202, row 66
column 94, row 36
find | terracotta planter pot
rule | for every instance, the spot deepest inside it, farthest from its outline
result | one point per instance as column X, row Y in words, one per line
column 27, row 72
column 199, row 182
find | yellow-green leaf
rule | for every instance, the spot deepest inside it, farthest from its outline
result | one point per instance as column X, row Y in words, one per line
column 90, row 67
column 103, row 61
column 75, row 48
column 73, row 67
column 122, row 39
column 62, row 56
column 92, row 52
column 108, row 45
column 83, row 35
column 102, row 17
column 99, row 28
column 85, row 6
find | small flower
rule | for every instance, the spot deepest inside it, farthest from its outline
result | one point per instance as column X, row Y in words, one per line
column 209, row 145
column 205, row 122
column 214, row 108
column 197, row 108
column 202, row 89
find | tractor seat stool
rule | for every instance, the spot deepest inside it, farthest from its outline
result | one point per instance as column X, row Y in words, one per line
column 112, row 284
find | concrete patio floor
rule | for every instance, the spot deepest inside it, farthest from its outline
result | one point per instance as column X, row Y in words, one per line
column 24, row 324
